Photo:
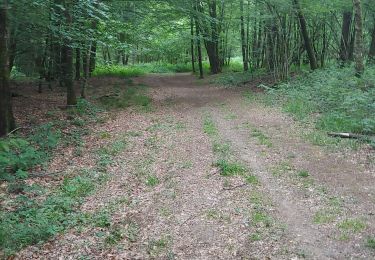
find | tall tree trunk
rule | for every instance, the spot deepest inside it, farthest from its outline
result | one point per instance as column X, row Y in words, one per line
column 192, row 43
column 86, row 71
column 92, row 58
column 199, row 46
column 78, row 64
column 305, row 35
column 358, row 47
column 345, row 37
column 371, row 54
column 67, row 63
column 7, row 123
column 243, row 39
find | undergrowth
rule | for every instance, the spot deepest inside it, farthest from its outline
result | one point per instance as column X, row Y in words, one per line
column 333, row 98
column 134, row 95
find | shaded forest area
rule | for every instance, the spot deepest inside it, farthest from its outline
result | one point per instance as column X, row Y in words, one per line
column 68, row 66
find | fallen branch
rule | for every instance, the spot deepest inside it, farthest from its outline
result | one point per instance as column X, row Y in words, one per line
column 15, row 130
column 235, row 187
column 349, row 136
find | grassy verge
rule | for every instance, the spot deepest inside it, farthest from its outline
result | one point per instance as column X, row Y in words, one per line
column 333, row 99
column 34, row 212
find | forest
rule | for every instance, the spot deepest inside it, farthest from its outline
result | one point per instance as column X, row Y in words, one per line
column 187, row 129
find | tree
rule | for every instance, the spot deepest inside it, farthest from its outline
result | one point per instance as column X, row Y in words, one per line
column 345, row 37
column 244, row 39
column 372, row 45
column 358, row 47
column 7, row 122
column 67, row 58
column 305, row 35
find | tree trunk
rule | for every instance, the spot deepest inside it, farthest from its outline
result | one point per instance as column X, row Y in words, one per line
column 86, row 71
column 371, row 54
column 358, row 47
column 192, row 43
column 199, row 46
column 78, row 64
column 67, row 63
column 92, row 58
column 345, row 37
column 243, row 39
column 305, row 35
column 7, row 123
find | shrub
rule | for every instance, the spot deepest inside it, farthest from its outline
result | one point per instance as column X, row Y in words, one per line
column 337, row 100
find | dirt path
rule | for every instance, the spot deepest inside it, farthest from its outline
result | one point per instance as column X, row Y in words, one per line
column 166, row 199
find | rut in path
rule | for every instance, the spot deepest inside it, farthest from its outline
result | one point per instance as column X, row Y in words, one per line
column 172, row 203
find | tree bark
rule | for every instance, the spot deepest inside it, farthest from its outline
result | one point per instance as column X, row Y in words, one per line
column 358, row 47
column 199, row 46
column 243, row 39
column 192, row 43
column 86, row 71
column 92, row 58
column 345, row 37
column 7, row 122
column 372, row 46
column 67, row 63
column 78, row 64
column 305, row 35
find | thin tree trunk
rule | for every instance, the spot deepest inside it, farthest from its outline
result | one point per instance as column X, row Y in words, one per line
column 67, row 64
column 7, row 122
column 78, row 64
column 86, row 71
column 372, row 46
column 243, row 40
column 305, row 35
column 199, row 46
column 345, row 37
column 192, row 43
column 358, row 47
column 92, row 58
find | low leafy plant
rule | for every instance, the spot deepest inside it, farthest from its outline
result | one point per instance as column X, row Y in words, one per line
column 227, row 168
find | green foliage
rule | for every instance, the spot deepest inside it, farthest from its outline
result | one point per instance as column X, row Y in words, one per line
column 227, row 168
column 140, row 69
column 303, row 174
column 209, row 126
column 334, row 98
column 34, row 221
column 117, row 71
column 152, row 181
column 131, row 96
column 371, row 243
column 18, row 155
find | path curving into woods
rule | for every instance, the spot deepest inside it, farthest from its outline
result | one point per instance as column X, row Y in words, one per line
column 167, row 198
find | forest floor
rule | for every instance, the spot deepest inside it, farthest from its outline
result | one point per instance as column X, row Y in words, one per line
column 210, row 174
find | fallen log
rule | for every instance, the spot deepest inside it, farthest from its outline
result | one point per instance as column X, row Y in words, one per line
column 351, row 136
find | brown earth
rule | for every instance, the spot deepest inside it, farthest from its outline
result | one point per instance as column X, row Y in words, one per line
column 310, row 202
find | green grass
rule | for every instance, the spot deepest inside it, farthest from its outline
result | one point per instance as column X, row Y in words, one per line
column 209, row 126
column 352, row 225
column 35, row 221
column 135, row 96
column 371, row 243
column 152, row 181
column 325, row 216
column 139, row 69
column 117, row 71
column 303, row 174
column 227, row 168
column 259, row 217
column 262, row 138
column 252, row 179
